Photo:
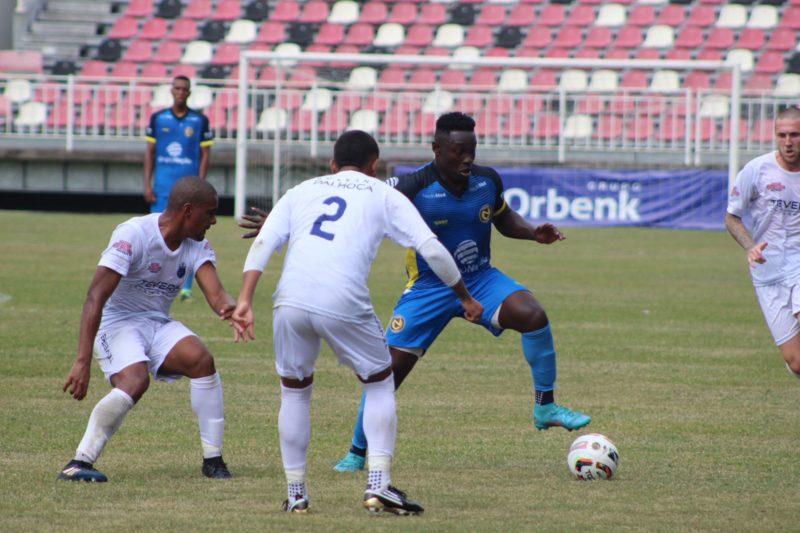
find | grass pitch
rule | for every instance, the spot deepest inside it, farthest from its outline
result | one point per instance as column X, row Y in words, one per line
column 659, row 338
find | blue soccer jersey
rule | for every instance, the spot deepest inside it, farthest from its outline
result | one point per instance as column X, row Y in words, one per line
column 178, row 146
column 463, row 223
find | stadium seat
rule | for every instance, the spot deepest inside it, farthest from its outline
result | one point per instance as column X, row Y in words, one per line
column 453, row 80
column 509, row 37
column 701, row 15
column 604, row 80
column 94, row 68
column 547, row 127
column 720, row 39
column 169, row 9
column 364, row 120
column 581, row 16
column 552, row 15
column 715, row 106
column 227, row 10
column 110, row 50
column 432, row 13
column 697, row 79
column 732, row 16
column 544, row 79
column 374, row 12
column 31, row 115
column 464, row 14
column 256, row 10
column 537, row 39
column 138, row 51
column 124, row 28
column 314, row 12
column 423, row 124
column 742, row 57
column 183, row 29
column 679, row 54
column 330, row 34
column 557, row 53
column 242, row 31
column 362, row 78
column 272, row 119
column 197, row 53
column 659, row 36
column 642, row 15
column 271, row 32
column 484, row 78
column 360, row 34
column 422, row 78
column 62, row 67
column 665, row 80
column 567, row 37
column 611, row 16
column 763, row 17
column 609, row 128
column 201, row 97
column 168, row 52
column 639, row 130
column 419, row 35
column 344, row 12
column 300, row 33
column 286, row 11
column 124, row 69
column 464, row 52
column 139, row 8
column 154, row 70
column 319, row 99
column 154, row 29
column 628, row 37
column 513, row 80
column 788, row 84
column 522, row 15
column 672, row 15
column 573, row 80
column 634, row 79
column 389, row 35
column 672, row 129
column 770, row 62
column 332, row 122
column 403, row 13
column 791, row 18
column 578, row 127
column 782, row 40
column 759, row 83
column 751, row 39
column 449, row 36
column 395, row 122
column 198, row 10
column 479, row 36
column 213, row 31
column 226, row 54
column 161, row 96
column 598, row 37
column 491, row 15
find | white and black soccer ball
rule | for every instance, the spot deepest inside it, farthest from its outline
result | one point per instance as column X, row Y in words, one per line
column 593, row 456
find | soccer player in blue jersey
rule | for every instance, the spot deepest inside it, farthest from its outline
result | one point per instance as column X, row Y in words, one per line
column 460, row 201
column 179, row 143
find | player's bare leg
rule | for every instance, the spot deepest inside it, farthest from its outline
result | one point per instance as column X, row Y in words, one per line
column 790, row 350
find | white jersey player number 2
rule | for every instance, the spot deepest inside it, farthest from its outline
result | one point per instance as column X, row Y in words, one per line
column 316, row 228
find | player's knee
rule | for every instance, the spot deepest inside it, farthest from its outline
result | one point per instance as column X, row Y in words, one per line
column 793, row 363
column 133, row 380
column 201, row 366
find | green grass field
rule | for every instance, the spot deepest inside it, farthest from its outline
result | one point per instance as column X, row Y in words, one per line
column 659, row 338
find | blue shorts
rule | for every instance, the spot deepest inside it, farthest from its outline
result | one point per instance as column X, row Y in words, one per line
column 422, row 313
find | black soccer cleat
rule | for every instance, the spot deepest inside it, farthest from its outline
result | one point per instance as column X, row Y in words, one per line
column 391, row 500
column 296, row 504
column 215, row 468
column 81, row 471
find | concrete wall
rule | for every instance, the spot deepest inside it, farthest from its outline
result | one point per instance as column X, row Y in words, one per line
column 7, row 23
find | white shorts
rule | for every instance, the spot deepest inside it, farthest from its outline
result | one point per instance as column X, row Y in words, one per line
column 137, row 340
column 360, row 346
column 780, row 304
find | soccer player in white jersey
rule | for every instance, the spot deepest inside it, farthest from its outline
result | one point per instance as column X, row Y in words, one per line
column 334, row 225
column 126, row 324
column 768, row 189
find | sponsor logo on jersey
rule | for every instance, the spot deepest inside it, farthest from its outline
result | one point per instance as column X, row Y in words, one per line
column 174, row 149
column 735, row 192
column 776, row 186
column 784, row 206
column 154, row 288
column 124, row 247
column 154, row 268
column 182, row 270
column 485, row 213
column 165, row 129
column 207, row 246
column 189, row 131
column 397, row 324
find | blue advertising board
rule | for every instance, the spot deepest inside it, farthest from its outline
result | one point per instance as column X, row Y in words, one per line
column 679, row 199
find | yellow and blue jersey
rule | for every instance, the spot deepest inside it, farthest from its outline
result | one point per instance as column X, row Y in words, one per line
column 463, row 223
column 178, row 143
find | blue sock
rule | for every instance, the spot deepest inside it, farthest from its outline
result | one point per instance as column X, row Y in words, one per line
column 537, row 346
column 359, row 437
column 189, row 279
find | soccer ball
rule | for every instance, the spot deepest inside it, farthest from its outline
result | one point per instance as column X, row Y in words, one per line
column 593, row 456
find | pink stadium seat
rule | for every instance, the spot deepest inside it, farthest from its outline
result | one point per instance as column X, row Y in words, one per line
column 502, row 104
column 233, row 119
column 138, row 51
column 392, row 77
column 110, row 94
column 333, row 121
column 290, row 100
column 124, row 28
column 302, row 77
column 690, row 37
column 496, row 51
column 634, row 79
column 302, row 121
column 710, row 55
column 609, row 128
column 154, row 29
column 723, row 81
column 314, row 12
column 567, row 37
column 479, row 36
column 395, row 122
column 374, row 12
column 423, row 124
column 697, row 79
column 345, row 49
column 763, row 131
column 523, row 15
column 770, row 62
column 285, row 11
column 488, row 124
column 432, row 13
column 227, row 10
column 759, row 83
column 483, row 78
column 217, row 116
column 547, row 126
column 790, row 18
column 271, row 32
column 419, row 35
column 360, row 34
column 672, row 15
column 95, row 67
column 672, row 129
column 647, row 53
column 139, row 8
column 702, row 15
column 679, row 54
column 122, row 116
column 538, row 38
column 330, row 34
column 57, row 117
column 422, row 78
column 348, row 102
column 407, row 51
column 533, row 103
column 190, row 71
column 378, row 102
column 592, row 104
column 751, row 39
column 581, row 16
column 588, row 53
column 725, row 130
column 629, row 37
column 183, row 29
column 403, row 13
column 642, row 15
column 154, row 70
column 782, row 39
column 617, row 53
column 168, row 52
column 720, row 38
column 252, row 73
column 518, row 125
column 491, row 15
column 470, row 103
column 544, row 78
column 557, row 53
column 598, row 37
column 198, row 10
column 552, row 15
column 91, row 116
column 639, row 129
column 226, row 54
column 47, row 93
column 124, row 69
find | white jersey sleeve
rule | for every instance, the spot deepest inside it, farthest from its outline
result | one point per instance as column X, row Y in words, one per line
column 125, row 248
column 404, row 224
column 744, row 190
column 273, row 234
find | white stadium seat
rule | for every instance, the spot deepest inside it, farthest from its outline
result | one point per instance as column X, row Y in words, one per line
column 242, row 31
column 198, row 53
column 365, row 120
column 272, row 119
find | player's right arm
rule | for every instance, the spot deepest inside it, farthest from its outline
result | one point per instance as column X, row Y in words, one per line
column 103, row 284
column 738, row 204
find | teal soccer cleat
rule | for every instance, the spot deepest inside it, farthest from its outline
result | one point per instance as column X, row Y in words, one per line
column 81, row 471
column 550, row 415
column 350, row 463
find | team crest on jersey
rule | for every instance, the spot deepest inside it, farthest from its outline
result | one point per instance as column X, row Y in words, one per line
column 124, row 247
column 189, row 131
column 155, row 268
column 486, row 213
column 397, row 324
column 735, row 192
column 776, row 186
column 182, row 270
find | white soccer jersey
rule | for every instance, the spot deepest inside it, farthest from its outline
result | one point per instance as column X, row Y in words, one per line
column 334, row 225
column 152, row 274
column 771, row 196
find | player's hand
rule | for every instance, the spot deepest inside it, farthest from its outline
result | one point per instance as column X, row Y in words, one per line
column 149, row 196
column 242, row 322
column 473, row 310
column 78, row 380
column 547, row 233
column 755, row 254
column 227, row 311
column 254, row 222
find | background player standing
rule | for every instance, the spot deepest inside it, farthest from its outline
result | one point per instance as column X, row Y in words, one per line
column 126, row 323
column 179, row 143
column 768, row 189
column 334, row 225
column 460, row 201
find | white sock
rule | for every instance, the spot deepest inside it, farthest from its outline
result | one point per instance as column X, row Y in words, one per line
column 106, row 418
column 296, row 484
column 380, row 427
column 207, row 404
column 792, row 372
column 294, row 427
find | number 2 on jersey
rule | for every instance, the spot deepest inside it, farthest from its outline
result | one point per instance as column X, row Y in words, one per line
column 316, row 229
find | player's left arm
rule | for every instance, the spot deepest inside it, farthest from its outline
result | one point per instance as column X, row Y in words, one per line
column 218, row 299
column 206, row 140
column 205, row 157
